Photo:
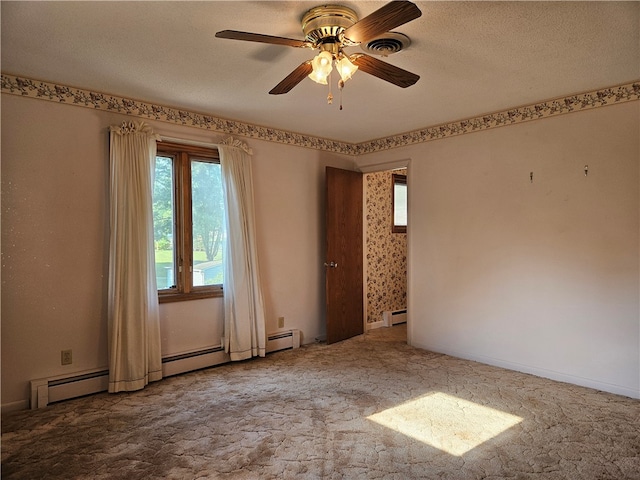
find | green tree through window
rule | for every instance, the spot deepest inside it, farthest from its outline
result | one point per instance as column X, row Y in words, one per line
column 163, row 204
column 207, row 208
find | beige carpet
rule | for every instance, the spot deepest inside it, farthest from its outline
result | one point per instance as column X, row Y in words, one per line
column 370, row 407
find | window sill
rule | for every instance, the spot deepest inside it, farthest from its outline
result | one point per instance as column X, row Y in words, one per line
column 183, row 297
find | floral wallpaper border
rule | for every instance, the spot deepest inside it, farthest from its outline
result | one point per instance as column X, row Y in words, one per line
column 574, row 103
column 101, row 101
column 85, row 98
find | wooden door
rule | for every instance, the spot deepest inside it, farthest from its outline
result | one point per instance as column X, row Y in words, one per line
column 343, row 263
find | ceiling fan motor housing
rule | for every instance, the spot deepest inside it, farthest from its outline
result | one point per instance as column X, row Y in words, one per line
column 322, row 26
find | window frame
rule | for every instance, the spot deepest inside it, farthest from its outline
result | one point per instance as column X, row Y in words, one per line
column 184, row 289
column 397, row 179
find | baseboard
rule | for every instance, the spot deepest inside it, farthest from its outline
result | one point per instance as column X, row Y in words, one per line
column 15, row 406
column 537, row 371
column 373, row 325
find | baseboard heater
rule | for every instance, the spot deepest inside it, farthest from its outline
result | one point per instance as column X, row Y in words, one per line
column 283, row 340
column 64, row 387
column 394, row 317
column 49, row 390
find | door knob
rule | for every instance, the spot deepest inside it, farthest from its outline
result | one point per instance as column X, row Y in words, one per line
column 331, row 264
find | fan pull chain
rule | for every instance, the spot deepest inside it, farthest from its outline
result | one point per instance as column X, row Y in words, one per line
column 330, row 96
column 340, row 87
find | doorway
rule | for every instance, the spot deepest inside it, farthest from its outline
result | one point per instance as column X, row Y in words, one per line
column 385, row 253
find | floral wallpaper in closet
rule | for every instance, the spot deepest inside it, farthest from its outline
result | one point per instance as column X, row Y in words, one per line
column 386, row 251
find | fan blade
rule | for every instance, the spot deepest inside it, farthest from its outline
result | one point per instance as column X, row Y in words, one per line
column 257, row 37
column 384, row 70
column 293, row 79
column 390, row 16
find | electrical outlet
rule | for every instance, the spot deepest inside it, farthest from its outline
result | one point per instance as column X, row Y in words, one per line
column 66, row 357
column 280, row 322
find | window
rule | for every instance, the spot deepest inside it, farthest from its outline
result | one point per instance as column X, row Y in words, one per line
column 399, row 202
column 188, row 222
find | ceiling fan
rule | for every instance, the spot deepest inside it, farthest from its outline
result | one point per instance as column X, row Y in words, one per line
column 331, row 28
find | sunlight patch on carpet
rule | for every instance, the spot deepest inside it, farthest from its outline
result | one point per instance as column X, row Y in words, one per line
column 445, row 422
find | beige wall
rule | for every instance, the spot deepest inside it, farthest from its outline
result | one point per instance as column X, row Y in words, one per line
column 55, row 242
column 385, row 251
column 541, row 277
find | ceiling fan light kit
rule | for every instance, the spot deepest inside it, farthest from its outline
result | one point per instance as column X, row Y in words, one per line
column 322, row 67
column 345, row 68
column 330, row 29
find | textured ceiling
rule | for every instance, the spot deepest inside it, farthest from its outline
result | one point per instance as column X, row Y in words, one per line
column 472, row 57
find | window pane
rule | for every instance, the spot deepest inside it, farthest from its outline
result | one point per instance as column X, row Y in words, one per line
column 207, row 211
column 400, row 204
column 163, row 222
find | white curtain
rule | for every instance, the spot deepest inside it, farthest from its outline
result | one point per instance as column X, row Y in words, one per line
column 244, row 323
column 134, row 326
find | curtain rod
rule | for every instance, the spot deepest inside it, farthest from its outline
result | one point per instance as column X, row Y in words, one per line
column 188, row 142
column 231, row 142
